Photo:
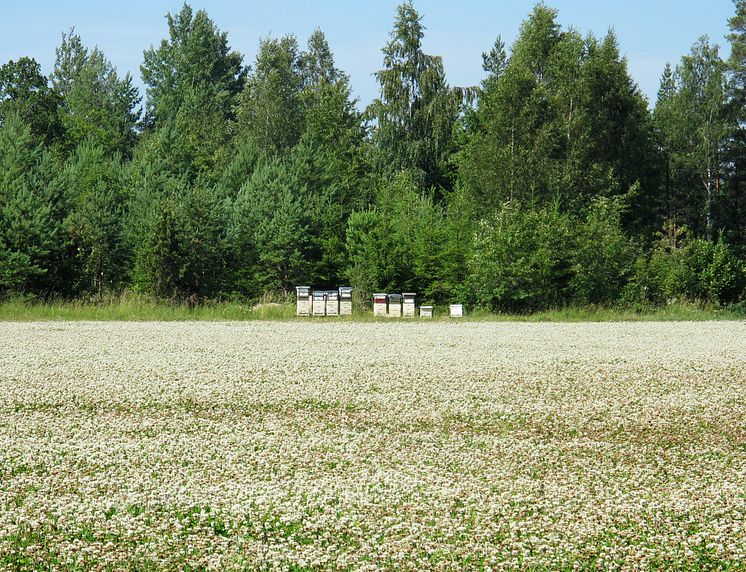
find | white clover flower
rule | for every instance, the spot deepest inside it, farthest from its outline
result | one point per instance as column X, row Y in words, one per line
column 373, row 445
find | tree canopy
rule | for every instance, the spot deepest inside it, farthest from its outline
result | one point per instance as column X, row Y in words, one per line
column 552, row 182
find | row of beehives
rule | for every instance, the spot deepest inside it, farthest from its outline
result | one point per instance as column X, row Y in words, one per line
column 396, row 305
column 403, row 305
column 339, row 303
column 323, row 302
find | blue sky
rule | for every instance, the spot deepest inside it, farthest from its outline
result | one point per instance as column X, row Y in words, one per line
column 650, row 32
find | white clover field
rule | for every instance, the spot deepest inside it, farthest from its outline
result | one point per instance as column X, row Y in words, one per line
column 330, row 445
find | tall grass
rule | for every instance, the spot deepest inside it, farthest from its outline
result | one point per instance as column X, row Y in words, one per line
column 671, row 312
column 134, row 308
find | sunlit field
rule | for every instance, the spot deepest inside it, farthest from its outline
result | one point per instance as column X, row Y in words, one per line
column 372, row 445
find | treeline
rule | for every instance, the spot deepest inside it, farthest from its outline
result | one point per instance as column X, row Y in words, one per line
column 551, row 183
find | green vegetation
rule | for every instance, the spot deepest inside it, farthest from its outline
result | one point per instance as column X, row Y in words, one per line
column 138, row 308
column 400, row 446
column 550, row 185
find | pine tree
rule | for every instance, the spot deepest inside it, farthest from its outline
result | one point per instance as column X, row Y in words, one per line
column 246, row 156
column 400, row 242
column 494, row 63
column 562, row 122
column 157, row 263
column 329, row 159
column 32, row 238
column 695, row 129
column 270, row 223
column 95, row 193
column 97, row 106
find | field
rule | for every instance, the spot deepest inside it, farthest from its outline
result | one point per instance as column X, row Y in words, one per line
column 136, row 308
column 366, row 446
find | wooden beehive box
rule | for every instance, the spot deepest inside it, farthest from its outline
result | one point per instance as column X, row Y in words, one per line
column 345, row 301
column 457, row 310
column 319, row 303
column 380, row 304
column 302, row 300
column 332, row 303
column 426, row 311
column 395, row 305
column 408, row 306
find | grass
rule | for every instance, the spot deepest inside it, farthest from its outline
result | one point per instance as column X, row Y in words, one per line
column 128, row 308
column 671, row 312
column 139, row 309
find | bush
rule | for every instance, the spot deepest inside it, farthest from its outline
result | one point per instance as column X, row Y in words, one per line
column 603, row 258
column 725, row 277
column 694, row 271
column 399, row 245
column 521, row 260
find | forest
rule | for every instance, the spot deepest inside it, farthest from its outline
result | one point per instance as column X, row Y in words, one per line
column 553, row 183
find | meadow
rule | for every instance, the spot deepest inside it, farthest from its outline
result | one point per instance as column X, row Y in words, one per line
column 130, row 307
column 387, row 445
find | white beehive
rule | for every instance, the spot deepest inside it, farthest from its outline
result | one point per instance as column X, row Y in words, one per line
column 457, row 310
column 345, row 301
column 395, row 305
column 319, row 303
column 380, row 304
column 302, row 301
column 426, row 311
column 408, row 307
column 332, row 303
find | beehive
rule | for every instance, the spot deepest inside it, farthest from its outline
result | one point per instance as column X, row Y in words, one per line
column 379, row 304
column 345, row 301
column 408, row 307
column 395, row 305
column 332, row 303
column 457, row 310
column 319, row 303
column 302, row 305
column 426, row 311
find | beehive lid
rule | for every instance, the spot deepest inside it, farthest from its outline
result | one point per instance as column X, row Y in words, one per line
column 426, row 307
column 409, row 295
column 302, row 290
column 319, row 293
column 345, row 291
column 394, row 296
column 332, row 294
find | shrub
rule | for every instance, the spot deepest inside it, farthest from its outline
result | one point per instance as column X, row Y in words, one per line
column 521, row 260
column 694, row 270
column 603, row 258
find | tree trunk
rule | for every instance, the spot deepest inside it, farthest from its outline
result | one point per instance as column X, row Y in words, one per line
column 668, row 188
column 512, row 158
column 100, row 274
column 708, row 216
